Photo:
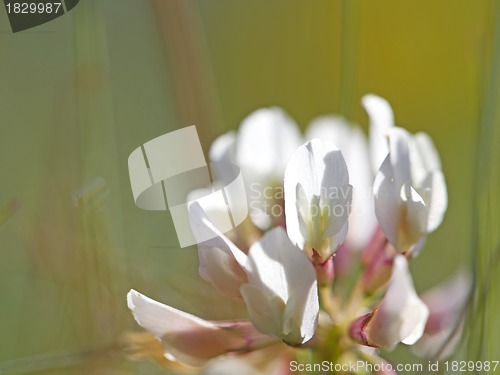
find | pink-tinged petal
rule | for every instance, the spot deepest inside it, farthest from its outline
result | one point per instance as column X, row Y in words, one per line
column 282, row 296
column 440, row 345
column 447, row 303
column 345, row 259
column 317, row 198
column 378, row 272
column 357, row 329
column 377, row 243
column 222, row 263
column 400, row 317
column 325, row 272
column 352, row 142
column 190, row 339
column 381, row 119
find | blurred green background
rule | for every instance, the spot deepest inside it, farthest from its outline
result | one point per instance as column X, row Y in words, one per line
column 78, row 94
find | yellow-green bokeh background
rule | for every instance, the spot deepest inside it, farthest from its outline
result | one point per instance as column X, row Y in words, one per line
column 78, row 94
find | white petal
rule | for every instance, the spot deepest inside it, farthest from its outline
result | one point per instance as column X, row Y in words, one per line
column 283, row 293
column 381, row 120
column 185, row 337
column 333, row 129
column 267, row 261
column 318, row 168
column 264, row 308
column 401, row 316
column 387, row 200
column 318, row 223
column 305, row 310
column 433, row 191
column 400, row 156
column 427, row 151
column 412, row 220
column 400, row 210
column 266, row 139
column 352, row 142
column 221, row 154
column 214, row 207
column 221, row 262
column 223, row 148
column 427, row 178
column 362, row 221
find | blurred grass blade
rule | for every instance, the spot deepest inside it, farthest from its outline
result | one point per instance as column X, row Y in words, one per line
column 484, row 325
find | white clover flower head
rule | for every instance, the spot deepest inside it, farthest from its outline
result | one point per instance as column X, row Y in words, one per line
column 317, row 199
column 281, row 269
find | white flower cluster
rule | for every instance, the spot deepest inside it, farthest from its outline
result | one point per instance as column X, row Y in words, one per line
column 283, row 268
